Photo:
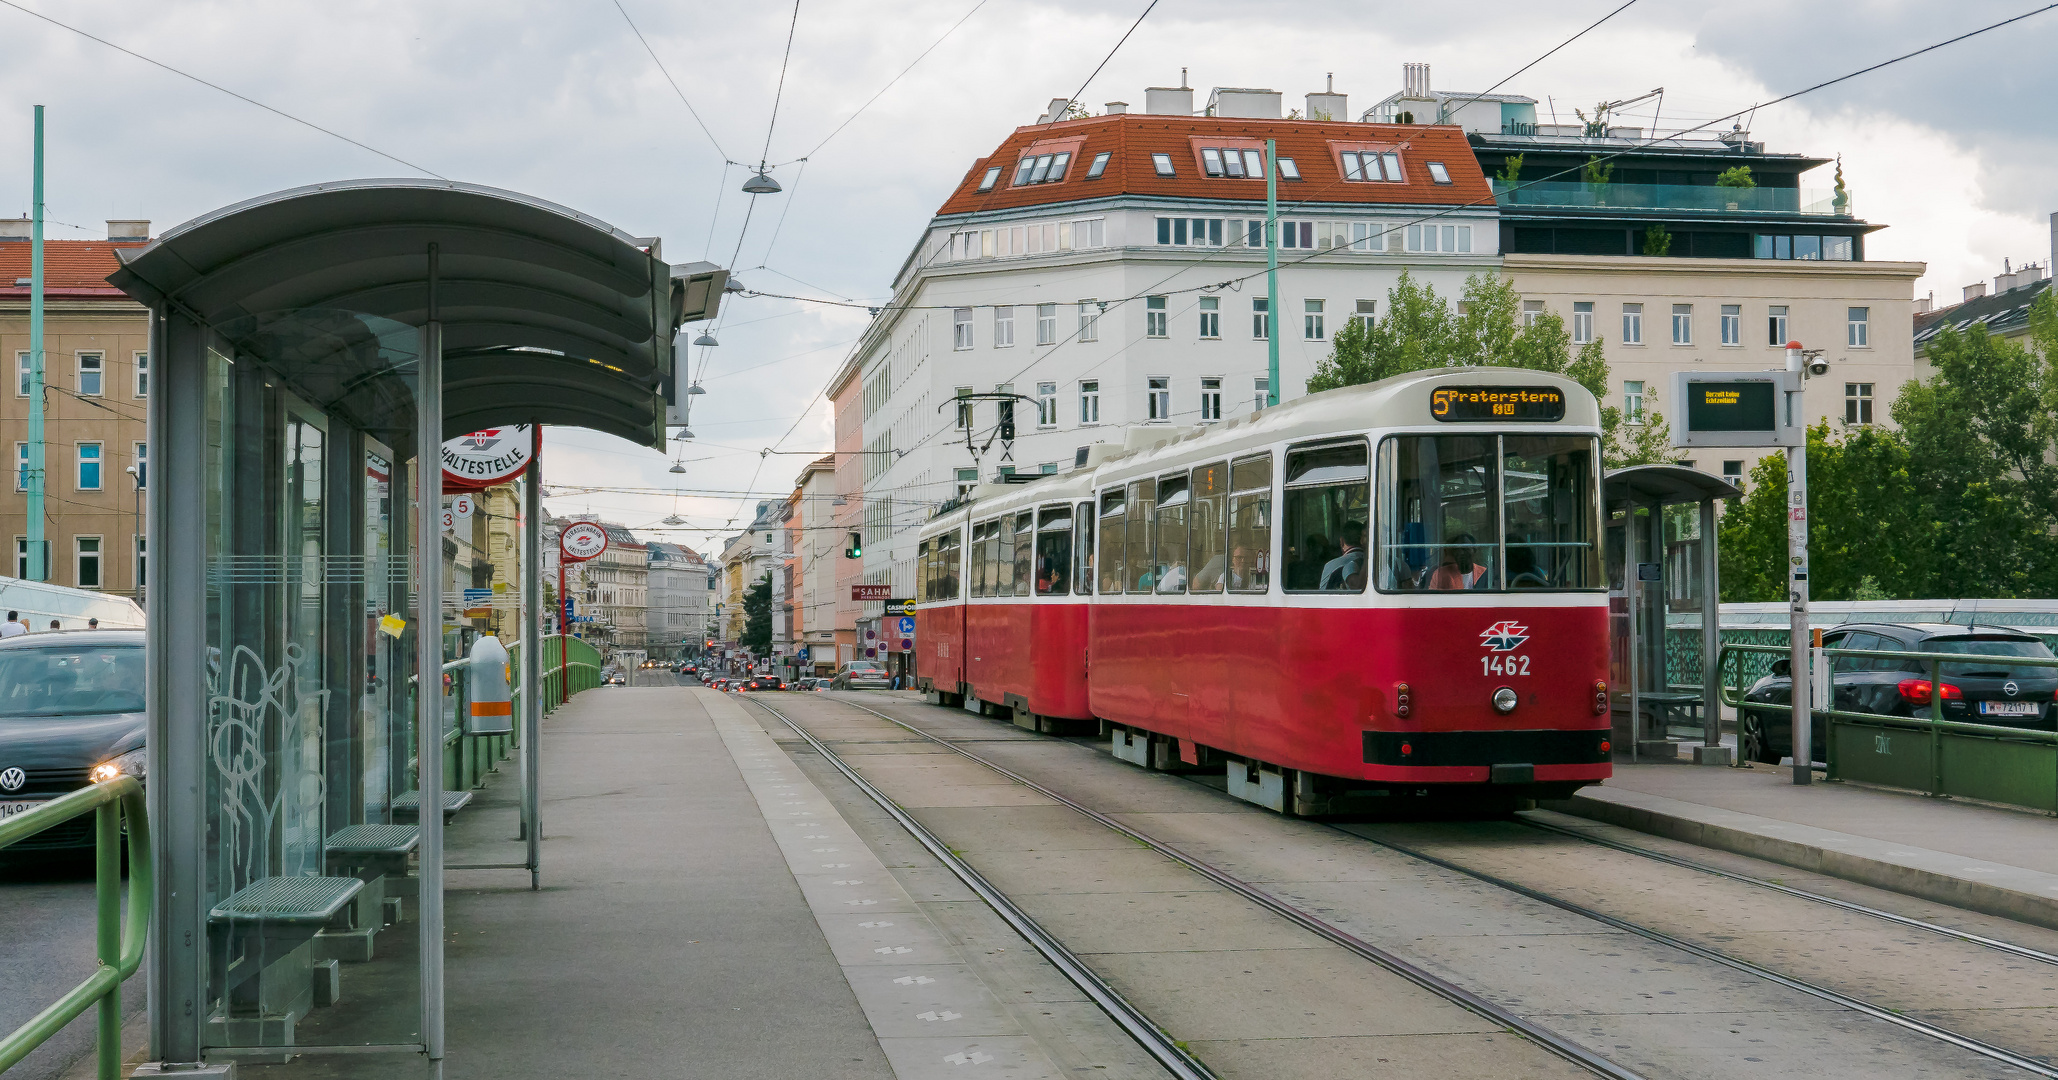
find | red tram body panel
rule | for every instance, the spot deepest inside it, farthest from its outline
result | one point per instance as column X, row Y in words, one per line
column 1401, row 591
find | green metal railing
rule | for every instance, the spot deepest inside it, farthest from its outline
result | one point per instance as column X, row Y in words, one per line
column 2014, row 766
column 119, row 941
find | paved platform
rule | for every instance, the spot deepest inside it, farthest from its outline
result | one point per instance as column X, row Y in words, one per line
column 1983, row 858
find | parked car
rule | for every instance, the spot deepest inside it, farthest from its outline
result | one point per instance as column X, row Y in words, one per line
column 71, row 714
column 862, row 675
column 1986, row 688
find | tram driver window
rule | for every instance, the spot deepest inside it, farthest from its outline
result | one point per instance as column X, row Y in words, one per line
column 1550, row 510
column 1082, row 550
column 1054, row 551
column 1328, row 510
column 1112, row 536
column 1439, row 529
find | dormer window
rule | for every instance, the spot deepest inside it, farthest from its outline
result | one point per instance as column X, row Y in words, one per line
column 1438, row 173
column 1211, row 161
column 1254, row 164
column 1099, row 166
column 1023, row 170
column 1372, row 166
column 1163, row 164
column 1042, row 169
column 1287, row 169
column 992, row 175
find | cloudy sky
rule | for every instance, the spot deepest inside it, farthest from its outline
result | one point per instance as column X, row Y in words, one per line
column 1953, row 150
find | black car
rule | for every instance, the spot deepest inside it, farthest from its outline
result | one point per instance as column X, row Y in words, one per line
column 71, row 714
column 765, row 682
column 1986, row 688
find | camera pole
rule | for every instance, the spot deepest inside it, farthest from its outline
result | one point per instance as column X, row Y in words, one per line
column 1797, row 575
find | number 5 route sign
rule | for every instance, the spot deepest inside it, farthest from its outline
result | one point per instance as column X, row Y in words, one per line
column 582, row 541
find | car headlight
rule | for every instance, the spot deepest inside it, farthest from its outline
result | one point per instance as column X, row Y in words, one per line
column 134, row 763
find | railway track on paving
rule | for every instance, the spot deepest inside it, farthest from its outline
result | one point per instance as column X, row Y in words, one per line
column 1139, row 1026
column 1557, row 1043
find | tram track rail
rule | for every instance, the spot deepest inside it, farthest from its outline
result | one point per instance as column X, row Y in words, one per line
column 1544, row 1036
column 1550, row 1040
column 2020, row 951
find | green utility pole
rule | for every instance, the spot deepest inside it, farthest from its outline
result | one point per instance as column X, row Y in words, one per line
column 38, row 568
column 1271, row 272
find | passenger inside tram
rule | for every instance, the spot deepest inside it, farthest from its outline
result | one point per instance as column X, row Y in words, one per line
column 1347, row 570
column 1458, row 570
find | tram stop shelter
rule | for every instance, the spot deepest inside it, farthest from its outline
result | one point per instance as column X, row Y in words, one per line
column 312, row 351
column 1662, row 578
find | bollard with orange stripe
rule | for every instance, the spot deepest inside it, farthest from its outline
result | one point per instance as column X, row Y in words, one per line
column 492, row 711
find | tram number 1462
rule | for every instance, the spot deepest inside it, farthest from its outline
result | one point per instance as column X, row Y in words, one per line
column 1504, row 665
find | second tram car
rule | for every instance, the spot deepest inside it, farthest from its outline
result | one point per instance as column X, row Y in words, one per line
column 1384, row 590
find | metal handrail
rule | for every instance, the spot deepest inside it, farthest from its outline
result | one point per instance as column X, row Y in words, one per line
column 119, row 941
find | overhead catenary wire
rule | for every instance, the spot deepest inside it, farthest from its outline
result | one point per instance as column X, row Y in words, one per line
column 662, row 70
column 223, row 89
column 890, row 83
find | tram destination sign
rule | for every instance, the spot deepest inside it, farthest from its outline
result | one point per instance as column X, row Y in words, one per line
column 1737, row 408
column 1504, row 404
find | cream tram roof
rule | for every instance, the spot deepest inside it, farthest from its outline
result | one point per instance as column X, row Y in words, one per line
column 1401, row 402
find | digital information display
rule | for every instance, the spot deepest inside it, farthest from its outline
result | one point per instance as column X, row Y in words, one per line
column 1506, row 404
column 1732, row 406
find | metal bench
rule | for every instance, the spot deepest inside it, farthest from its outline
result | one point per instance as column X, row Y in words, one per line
column 409, row 804
column 269, row 918
column 370, row 851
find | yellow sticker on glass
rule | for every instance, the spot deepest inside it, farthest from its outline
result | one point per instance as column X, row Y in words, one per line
column 392, row 626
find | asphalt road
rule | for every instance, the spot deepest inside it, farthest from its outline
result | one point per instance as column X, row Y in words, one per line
column 46, row 948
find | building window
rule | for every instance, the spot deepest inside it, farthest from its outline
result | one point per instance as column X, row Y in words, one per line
column 964, row 407
column 1633, row 402
column 1041, row 169
column 1158, row 399
column 1287, row 169
column 142, row 375
column 1210, row 317
column 21, row 466
column 1211, row 400
column 22, row 371
column 1732, row 324
column 992, row 176
column 1089, row 401
column 1089, row 321
column 1191, row 232
column 1261, row 318
column 967, row 479
column 1857, row 324
column 1775, row 325
column 86, row 561
column 1154, row 316
column 1263, row 387
column 1211, row 161
column 1046, row 324
column 1682, row 324
column 142, row 464
column 1582, row 322
column 1632, row 324
column 1003, row 327
column 1444, row 238
column 1163, row 164
column 961, row 329
column 1369, row 166
column 1733, row 471
column 142, row 561
column 89, row 466
column 1312, row 328
column 1438, row 173
column 1046, row 404
column 21, row 557
column 1857, row 403
column 1532, row 310
column 1099, row 166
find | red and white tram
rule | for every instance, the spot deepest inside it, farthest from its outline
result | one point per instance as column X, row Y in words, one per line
column 1384, row 590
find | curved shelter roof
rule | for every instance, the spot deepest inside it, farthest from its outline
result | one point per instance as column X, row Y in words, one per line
column 548, row 315
column 1663, row 485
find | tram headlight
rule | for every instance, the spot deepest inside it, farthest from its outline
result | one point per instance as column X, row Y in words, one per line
column 1505, row 699
column 1403, row 702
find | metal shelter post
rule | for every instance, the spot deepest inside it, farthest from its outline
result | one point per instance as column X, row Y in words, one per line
column 1711, row 629
column 428, row 573
column 1632, row 572
column 532, row 659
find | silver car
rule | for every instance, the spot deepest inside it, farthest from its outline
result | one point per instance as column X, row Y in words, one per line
column 862, row 675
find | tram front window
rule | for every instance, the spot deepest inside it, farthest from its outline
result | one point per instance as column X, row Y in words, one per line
column 1328, row 508
column 1443, row 499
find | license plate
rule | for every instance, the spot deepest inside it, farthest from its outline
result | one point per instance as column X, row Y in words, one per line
column 9, row 809
column 2008, row 708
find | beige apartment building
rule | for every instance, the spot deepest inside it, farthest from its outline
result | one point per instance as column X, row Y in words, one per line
column 1656, row 316
column 96, row 370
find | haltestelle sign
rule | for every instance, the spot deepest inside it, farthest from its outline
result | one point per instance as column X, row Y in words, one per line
column 486, row 457
column 582, row 541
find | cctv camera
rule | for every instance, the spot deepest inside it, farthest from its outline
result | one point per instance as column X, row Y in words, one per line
column 1818, row 366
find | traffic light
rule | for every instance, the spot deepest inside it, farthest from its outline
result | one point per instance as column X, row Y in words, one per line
column 1007, row 421
column 856, row 550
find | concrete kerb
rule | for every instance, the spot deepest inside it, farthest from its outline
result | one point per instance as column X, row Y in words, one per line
column 1990, row 888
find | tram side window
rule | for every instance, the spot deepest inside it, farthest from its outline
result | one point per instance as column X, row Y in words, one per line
column 947, row 566
column 1054, row 551
column 1000, row 553
column 1112, row 537
column 1209, row 530
column 1550, row 512
column 981, row 569
column 1082, row 549
column 1328, row 509
column 1025, row 552
column 1250, row 524
column 1174, row 501
column 1141, row 574
column 1438, row 514
column 925, row 572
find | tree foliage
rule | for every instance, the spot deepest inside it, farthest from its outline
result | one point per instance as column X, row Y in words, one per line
column 1738, row 177
column 757, row 617
column 1420, row 330
column 1959, row 500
